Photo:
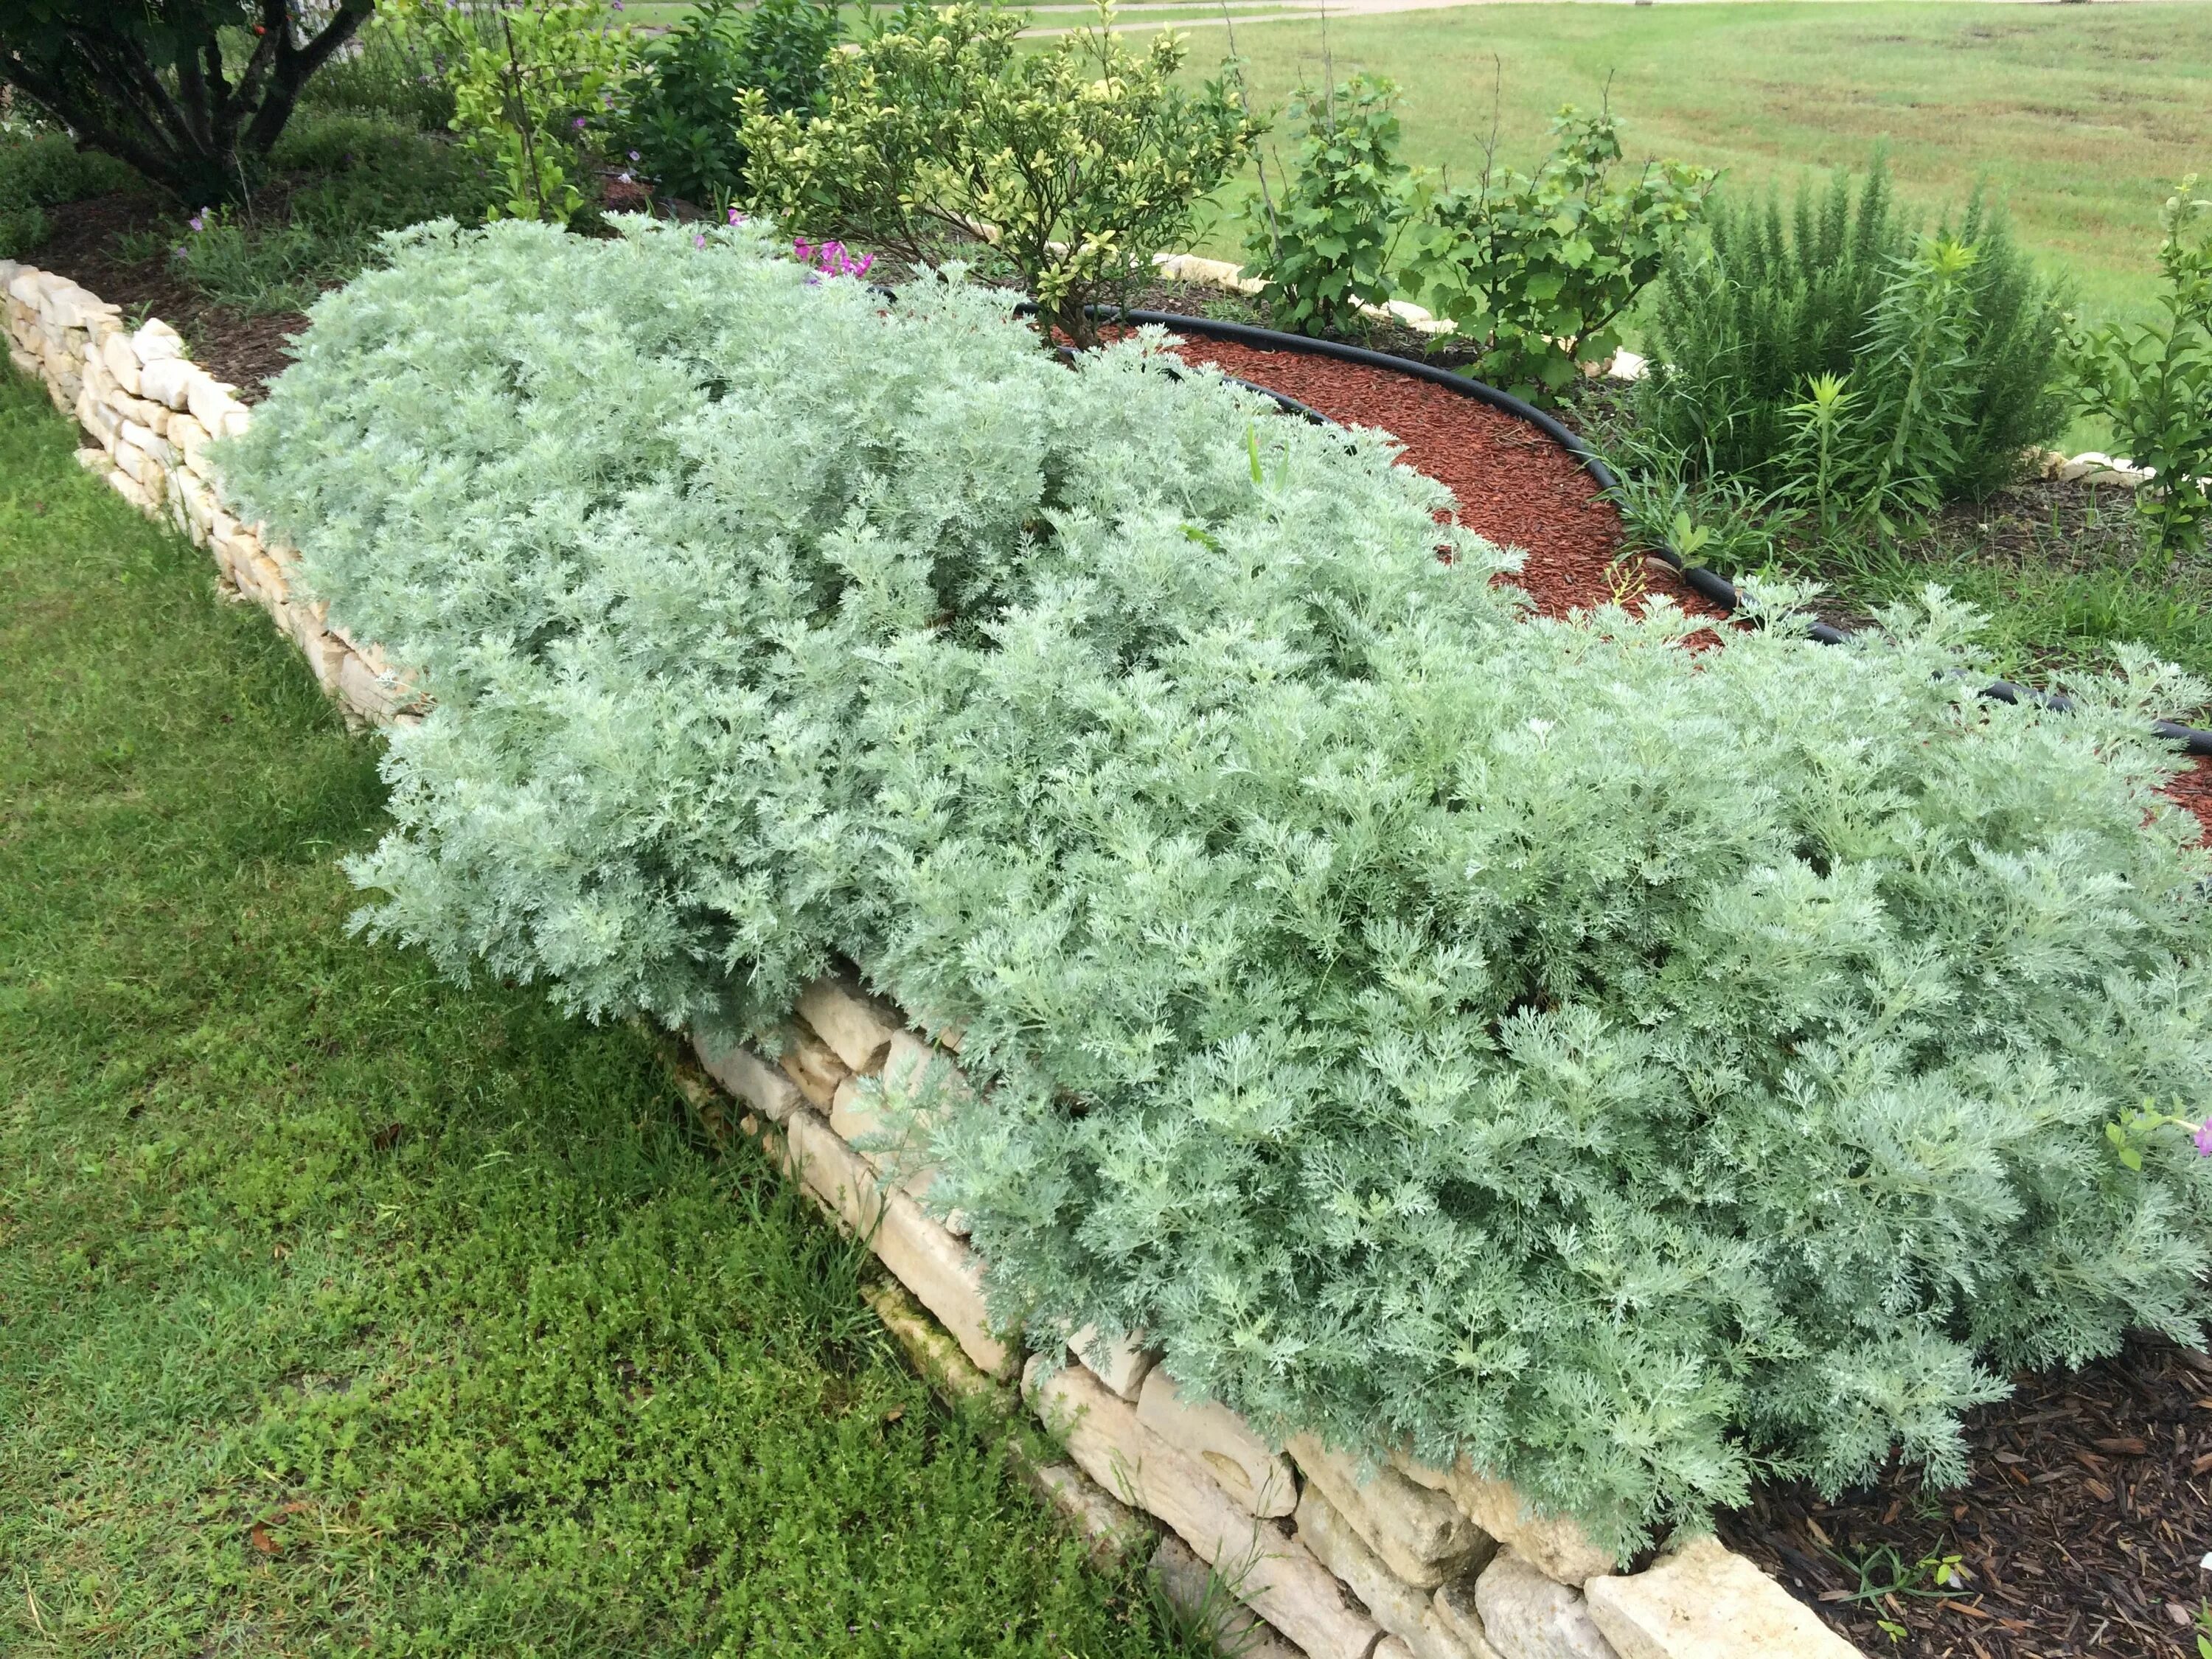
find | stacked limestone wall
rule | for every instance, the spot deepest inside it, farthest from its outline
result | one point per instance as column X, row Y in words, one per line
column 1341, row 1559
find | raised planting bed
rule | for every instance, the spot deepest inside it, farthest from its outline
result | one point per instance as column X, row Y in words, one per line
column 1365, row 1562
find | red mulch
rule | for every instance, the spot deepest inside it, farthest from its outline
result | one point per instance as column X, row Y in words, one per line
column 1515, row 485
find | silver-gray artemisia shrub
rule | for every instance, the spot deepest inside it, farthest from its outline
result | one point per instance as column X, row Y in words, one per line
column 1633, row 1067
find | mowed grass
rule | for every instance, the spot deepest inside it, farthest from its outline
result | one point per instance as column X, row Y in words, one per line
column 343, row 1311
column 2079, row 117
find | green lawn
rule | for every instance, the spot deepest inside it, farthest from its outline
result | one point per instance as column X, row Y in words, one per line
column 346, row 1311
column 2080, row 117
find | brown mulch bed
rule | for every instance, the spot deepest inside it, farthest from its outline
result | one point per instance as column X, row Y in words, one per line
column 246, row 351
column 2079, row 1537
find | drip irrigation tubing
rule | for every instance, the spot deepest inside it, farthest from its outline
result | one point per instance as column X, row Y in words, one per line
column 1706, row 584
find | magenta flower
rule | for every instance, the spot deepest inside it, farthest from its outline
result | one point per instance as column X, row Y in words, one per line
column 700, row 241
column 2204, row 1137
column 578, row 124
column 198, row 220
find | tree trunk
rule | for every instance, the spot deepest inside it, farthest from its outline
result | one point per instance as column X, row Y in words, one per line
column 189, row 129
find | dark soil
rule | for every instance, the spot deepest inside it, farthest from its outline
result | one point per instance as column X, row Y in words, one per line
column 85, row 247
column 2080, row 1536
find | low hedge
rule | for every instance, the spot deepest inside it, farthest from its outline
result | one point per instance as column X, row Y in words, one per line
column 1637, row 1068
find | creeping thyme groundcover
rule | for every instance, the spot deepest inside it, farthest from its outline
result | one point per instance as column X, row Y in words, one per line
column 1636, row 1069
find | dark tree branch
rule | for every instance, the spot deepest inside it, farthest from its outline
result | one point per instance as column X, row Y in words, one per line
column 92, row 132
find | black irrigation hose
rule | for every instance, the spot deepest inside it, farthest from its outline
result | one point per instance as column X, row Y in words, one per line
column 1706, row 584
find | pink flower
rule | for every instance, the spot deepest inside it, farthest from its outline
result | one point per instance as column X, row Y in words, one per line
column 2204, row 1137
column 700, row 241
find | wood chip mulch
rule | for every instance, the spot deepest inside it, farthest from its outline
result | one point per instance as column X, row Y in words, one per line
column 247, row 351
column 2080, row 1536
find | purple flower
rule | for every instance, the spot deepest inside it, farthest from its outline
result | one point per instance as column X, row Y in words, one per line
column 633, row 155
column 578, row 124
column 2204, row 1137
column 198, row 220
column 736, row 217
column 700, row 241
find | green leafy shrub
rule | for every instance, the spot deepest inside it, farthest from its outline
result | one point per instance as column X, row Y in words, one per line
column 682, row 118
column 1741, row 332
column 1327, row 249
column 2153, row 382
column 1629, row 1067
column 1080, row 162
column 531, row 80
column 1537, row 269
column 386, row 71
column 43, row 169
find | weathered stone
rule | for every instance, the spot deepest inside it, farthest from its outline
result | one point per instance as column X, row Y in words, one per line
column 26, row 365
column 1528, row 1616
column 151, row 442
column 191, row 441
column 856, row 1113
column 1259, row 1479
column 762, row 1086
column 211, row 402
column 131, row 491
column 1418, row 1534
column 1701, row 1600
column 93, row 460
column 362, row 689
column 1121, row 1366
column 1276, row 1577
column 807, row 1062
column 234, row 421
column 1397, row 1606
column 1557, row 1544
column 857, row 1027
column 1109, row 1528
column 940, row 1271
column 1196, row 1591
column 167, row 380
column 1457, row 1612
column 121, row 362
column 156, row 341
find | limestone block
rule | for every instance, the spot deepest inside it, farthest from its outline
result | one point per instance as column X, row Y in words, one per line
column 209, row 400
column 156, row 341
column 362, row 689
column 856, row 1115
column 1556, row 1544
column 121, row 362
column 26, row 365
column 1702, row 1600
column 93, row 460
column 2088, row 461
column 1195, row 1591
column 1457, row 1612
column 1421, row 1535
column 1257, row 1478
column 1121, row 1366
column 1528, row 1616
column 69, row 306
column 148, row 441
column 807, row 1062
column 235, row 423
column 131, row 491
column 125, row 407
column 23, row 285
column 1110, row 1528
column 941, row 1271
column 858, row 1027
column 268, row 577
column 1406, row 1612
column 167, row 380
column 1275, row 1575
column 746, row 1075
column 96, row 420
column 191, row 441
column 136, row 462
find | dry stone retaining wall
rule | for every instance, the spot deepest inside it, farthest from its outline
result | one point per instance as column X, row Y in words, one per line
column 1342, row 1558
